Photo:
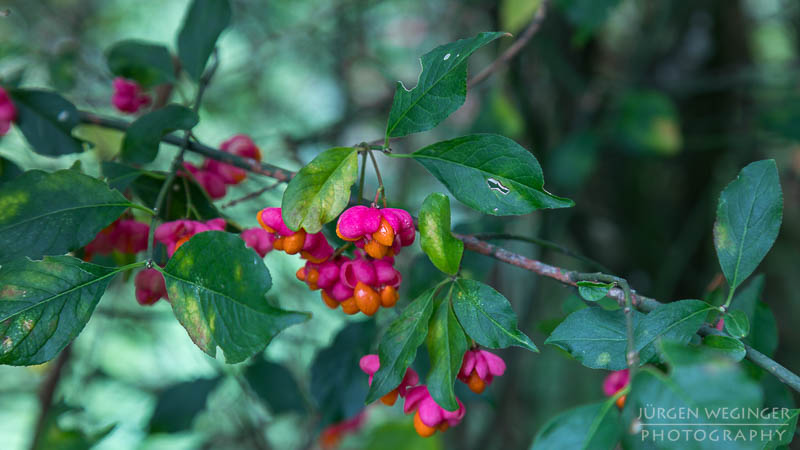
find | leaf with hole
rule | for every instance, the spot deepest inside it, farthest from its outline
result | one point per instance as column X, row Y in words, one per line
column 217, row 289
column 45, row 304
column 320, row 190
column 441, row 87
column 46, row 120
column 140, row 145
column 749, row 217
column 435, row 238
column 490, row 173
column 487, row 316
column 53, row 213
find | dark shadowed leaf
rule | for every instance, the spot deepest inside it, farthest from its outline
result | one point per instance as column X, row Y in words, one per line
column 398, row 347
column 202, row 25
column 179, row 404
column 320, row 190
column 146, row 63
column 435, row 238
column 186, row 196
column 337, row 383
column 46, row 119
column 140, row 145
column 8, row 170
column 487, row 316
column 53, row 213
column 446, row 347
column 216, row 287
column 441, row 88
column 276, row 386
column 45, row 304
column 749, row 216
column 490, row 173
column 592, row 426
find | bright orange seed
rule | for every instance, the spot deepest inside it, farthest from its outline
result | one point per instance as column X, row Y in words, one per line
column 375, row 249
column 385, row 234
column 422, row 429
column 294, row 243
column 349, row 306
column 390, row 398
column 389, row 296
column 367, row 299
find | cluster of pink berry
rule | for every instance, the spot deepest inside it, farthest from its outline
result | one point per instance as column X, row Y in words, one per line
column 8, row 113
column 215, row 176
column 364, row 282
column 478, row 369
column 615, row 382
column 123, row 235
column 128, row 96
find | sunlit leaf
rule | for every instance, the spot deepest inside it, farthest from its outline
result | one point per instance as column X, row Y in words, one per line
column 436, row 240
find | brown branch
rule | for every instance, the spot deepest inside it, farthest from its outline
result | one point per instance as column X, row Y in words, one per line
column 47, row 393
column 515, row 48
column 251, row 195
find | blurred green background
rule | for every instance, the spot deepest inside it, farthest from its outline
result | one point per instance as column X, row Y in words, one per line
column 639, row 111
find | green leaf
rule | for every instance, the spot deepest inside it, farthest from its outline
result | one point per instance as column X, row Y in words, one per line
column 726, row 345
column 398, row 347
column 441, row 88
column 337, row 383
column 275, row 385
column 53, row 213
column 490, row 173
column 146, row 63
column 446, row 347
column 592, row 426
column 185, row 195
column 202, row 25
column 764, row 333
column 140, row 145
column 435, row 238
column 216, row 287
column 676, row 321
column 8, row 170
column 46, row 120
column 320, row 190
column 119, row 176
column 487, row 316
column 45, row 304
column 736, row 324
column 592, row 291
column 179, row 404
column 400, row 435
column 595, row 337
column 749, row 216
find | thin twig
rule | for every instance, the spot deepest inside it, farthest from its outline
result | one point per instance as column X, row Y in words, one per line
column 542, row 243
column 251, row 195
column 515, row 48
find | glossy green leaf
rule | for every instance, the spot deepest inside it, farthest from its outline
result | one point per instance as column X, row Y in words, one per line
column 487, row 316
column 446, row 347
column 435, row 238
column 275, row 385
column 140, row 145
column 8, row 170
column 749, row 216
column 676, row 321
column 320, row 190
column 216, row 287
column 726, row 345
column 45, row 304
column 737, row 324
column 179, row 404
column 441, row 87
column 46, row 120
column 490, row 173
column 595, row 337
column 53, row 213
column 146, row 63
column 592, row 291
column 592, row 426
column 338, row 385
column 398, row 347
column 202, row 25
